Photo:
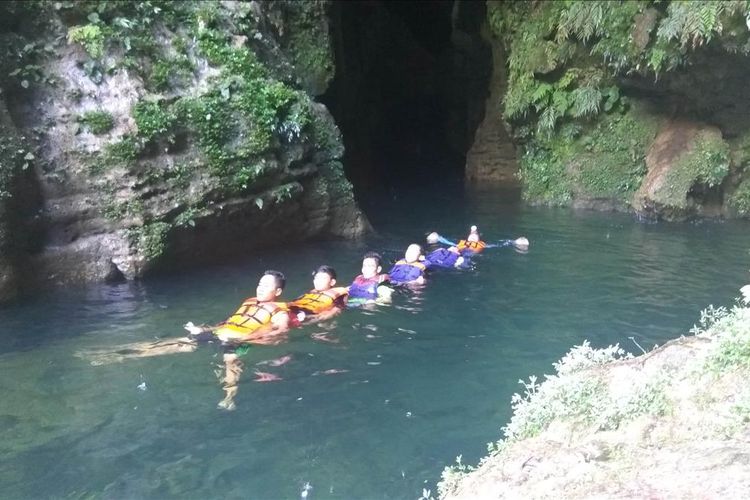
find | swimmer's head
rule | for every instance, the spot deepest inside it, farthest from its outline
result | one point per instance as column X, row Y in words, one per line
column 433, row 238
column 371, row 264
column 324, row 278
column 413, row 252
column 473, row 234
column 270, row 286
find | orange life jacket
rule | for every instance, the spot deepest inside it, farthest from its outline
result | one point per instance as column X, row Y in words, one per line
column 472, row 246
column 249, row 317
column 315, row 302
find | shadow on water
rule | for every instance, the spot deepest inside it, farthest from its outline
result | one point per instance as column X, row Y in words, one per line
column 372, row 404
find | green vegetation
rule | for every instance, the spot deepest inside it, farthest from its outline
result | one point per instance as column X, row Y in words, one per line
column 90, row 36
column 574, row 394
column 739, row 200
column 150, row 239
column 605, row 159
column 152, row 120
column 707, row 163
column 218, row 108
column 98, row 122
column 565, row 59
column 171, row 72
column 732, row 328
column 587, row 394
column 122, row 153
column 307, row 41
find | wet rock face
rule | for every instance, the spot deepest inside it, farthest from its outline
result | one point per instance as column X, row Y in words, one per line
column 492, row 156
column 178, row 129
column 685, row 159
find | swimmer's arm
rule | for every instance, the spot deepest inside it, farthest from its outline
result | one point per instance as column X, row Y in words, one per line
column 280, row 321
column 499, row 244
column 328, row 313
column 198, row 329
column 446, row 241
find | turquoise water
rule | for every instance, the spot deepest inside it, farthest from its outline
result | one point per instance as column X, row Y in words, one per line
column 420, row 382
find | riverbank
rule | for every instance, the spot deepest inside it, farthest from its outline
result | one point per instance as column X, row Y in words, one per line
column 671, row 423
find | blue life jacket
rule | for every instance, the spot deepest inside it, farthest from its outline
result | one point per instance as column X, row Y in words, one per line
column 442, row 257
column 406, row 272
column 363, row 288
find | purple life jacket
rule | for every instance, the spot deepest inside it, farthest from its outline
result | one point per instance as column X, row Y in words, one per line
column 406, row 272
column 363, row 288
column 442, row 257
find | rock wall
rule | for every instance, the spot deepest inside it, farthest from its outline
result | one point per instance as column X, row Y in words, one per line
column 492, row 156
column 589, row 85
column 166, row 133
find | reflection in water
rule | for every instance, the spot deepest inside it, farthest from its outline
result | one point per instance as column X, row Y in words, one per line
column 370, row 404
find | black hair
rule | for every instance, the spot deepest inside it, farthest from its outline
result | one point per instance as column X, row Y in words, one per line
column 374, row 255
column 278, row 276
column 328, row 270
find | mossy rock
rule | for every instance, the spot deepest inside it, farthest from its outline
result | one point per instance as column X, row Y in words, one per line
column 603, row 160
column 685, row 155
column 739, row 200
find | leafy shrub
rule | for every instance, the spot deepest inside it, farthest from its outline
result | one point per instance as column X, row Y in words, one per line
column 152, row 120
column 90, row 36
column 98, row 122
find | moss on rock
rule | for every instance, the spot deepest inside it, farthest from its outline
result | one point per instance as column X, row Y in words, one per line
column 603, row 159
column 575, row 67
column 707, row 163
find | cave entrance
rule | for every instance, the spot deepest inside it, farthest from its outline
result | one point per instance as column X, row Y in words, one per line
column 410, row 88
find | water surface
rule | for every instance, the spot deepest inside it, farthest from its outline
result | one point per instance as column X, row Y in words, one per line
column 424, row 380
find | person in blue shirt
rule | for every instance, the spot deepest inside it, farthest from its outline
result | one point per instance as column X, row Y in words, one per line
column 445, row 258
column 411, row 269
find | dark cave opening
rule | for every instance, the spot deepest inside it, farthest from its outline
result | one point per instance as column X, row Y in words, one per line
column 409, row 91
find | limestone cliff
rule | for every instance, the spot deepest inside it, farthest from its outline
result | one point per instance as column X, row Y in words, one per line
column 595, row 89
column 154, row 133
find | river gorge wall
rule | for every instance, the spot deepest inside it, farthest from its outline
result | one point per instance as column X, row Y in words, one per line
column 137, row 135
column 637, row 106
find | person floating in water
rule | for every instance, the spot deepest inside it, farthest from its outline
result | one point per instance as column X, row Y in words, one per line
column 411, row 269
column 324, row 301
column 473, row 243
column 370, row 285
column 259, row 320
column 445, row 257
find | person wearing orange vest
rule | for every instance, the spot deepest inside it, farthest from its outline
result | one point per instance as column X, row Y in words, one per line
column 411, row 269
column 259, row 320
column 324, row 301
column 256, row 321
column 473, row 244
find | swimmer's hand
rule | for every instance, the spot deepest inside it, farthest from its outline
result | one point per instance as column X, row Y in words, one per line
column 385, row 292
column 192, row 329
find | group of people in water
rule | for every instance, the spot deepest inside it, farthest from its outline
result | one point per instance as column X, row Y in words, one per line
column 265, row 319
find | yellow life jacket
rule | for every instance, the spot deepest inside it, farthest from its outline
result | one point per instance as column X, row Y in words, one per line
column 474, row 246
column 416, row 264
column 249, row 317
column 315, row 302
